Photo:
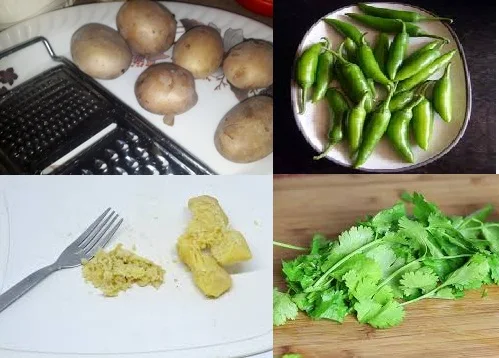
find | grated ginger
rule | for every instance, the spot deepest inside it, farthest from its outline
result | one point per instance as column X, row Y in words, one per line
column 117, row 270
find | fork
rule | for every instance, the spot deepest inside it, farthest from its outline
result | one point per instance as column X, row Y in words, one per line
column 96, row 236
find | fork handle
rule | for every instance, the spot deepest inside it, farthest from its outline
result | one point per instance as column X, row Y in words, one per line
column 19, row 289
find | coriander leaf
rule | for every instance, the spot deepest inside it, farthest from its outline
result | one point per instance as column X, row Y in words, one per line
column 331, row 305
column 470, row 274
column 470, row 225
column 384, row 256
column 491, row 234
column 348, row 242
column 283, row 308
column 422, row 208
column 443, row 268
column 366, row 310
column 385, row 219
column 416, row 231
column 444, row 293
column 319, row 242
column 423, row 279
column 384, row 295
column 390, row 315
column 362, row 265
column 302, row 301
column 494, row 267
column 358, row 286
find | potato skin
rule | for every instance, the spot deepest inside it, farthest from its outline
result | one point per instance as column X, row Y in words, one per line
column 167, row 89
column 148, row 27
column 200, row 50
column 246, row 132
column 100, row 51
column 250, row 65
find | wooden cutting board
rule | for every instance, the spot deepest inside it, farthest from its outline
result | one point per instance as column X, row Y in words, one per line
column 329, row 204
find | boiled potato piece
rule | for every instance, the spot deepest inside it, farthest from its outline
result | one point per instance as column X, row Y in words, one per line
column 246, row 133
column 148, row 27
column 250, row 65
column 166, row 89
column 231, row 248
column 210, row 277
column 207, row 215
column 200, row 50
column 100, row 51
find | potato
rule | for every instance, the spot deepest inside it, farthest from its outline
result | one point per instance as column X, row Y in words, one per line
column 100, row 51
column 166, row 89
column 200, row 50
column 231, row 248
column 210, row 277
column 245, row 134
column 148, row 27
column 250, row 65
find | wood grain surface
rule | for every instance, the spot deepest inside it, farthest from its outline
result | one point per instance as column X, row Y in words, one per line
column 304, row 205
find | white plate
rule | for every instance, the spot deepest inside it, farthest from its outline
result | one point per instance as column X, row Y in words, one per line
column 193, row 130
column 314, row 122
column 63, row 315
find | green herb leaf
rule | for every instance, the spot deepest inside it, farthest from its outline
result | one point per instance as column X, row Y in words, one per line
column 331, row 305
column 386, row 219
column 283, row 308
column 423, row 279
column 348, row 242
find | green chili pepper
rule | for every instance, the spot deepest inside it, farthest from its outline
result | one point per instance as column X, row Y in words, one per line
column 375, row 129
column 400, row 100
column 372, row 87
column 338, row 109
column 398, row 130
column 323, row 76
column 346, row 29
column 306, row 68
column 369, row 65
column 391, row 26
column 426, row 72
column 381, row 50
column 429, row 46
column 351, row 49
column 408, row 16
column 442, row 96
column 422, row 121
column 353, row 81
column 355, row 122
column 413, row 65
column 397, row 52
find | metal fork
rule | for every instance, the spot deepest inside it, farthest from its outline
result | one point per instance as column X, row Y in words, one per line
column 96, row 236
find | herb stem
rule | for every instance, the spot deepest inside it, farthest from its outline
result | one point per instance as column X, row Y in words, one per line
column 288, row 246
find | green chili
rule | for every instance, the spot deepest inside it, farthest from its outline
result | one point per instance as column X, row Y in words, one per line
column 422, row 120
column 306, row 68
column 369, row 65
column 338, row 109
column 398, row 130
column 426, row 72
column 346, row 29
column 391, row 26
column 375, row 129
column 351, row 50
column 397, row 52
column 413, row 65
column 429, row 46
column 442, row 95
column 408, row 16
column 355, row 123
column 323, row 76
column 372, row 87
column 400, row 100
column 381, row 50
column 353, row 81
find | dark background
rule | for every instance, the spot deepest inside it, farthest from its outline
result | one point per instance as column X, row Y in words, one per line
column 474, row 24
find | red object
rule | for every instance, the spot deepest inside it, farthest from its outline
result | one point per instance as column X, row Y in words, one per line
column 262, row 7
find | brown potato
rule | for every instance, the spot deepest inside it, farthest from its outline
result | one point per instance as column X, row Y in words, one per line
column 148, row 27
column 245, row 134
column 100, row 51
column 250, row 65
column 166, row 89
column 200, row 50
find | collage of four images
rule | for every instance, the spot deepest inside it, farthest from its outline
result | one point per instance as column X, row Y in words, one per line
column 151, row 208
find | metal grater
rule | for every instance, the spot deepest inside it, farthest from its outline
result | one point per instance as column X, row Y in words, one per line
column 48, row 116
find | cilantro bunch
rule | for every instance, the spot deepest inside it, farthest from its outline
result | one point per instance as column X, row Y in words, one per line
column 390, row 260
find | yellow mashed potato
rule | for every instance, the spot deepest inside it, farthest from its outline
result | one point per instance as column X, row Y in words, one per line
column 208, row 244
column 117, row 270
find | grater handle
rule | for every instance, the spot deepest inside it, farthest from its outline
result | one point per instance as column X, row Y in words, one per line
column 28, row 43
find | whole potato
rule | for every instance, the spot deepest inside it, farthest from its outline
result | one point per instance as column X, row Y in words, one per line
column 250, row 65
column 166, row 89
column 100, row 51
column 200, row 50
column 148, row 27
column 246, row 133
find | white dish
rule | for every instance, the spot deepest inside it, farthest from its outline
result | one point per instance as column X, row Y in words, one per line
column 193, row 130
column 65, row 316
column 314, row 122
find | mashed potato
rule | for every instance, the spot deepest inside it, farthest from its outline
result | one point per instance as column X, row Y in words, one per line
column 118, row 269
column 208, row 243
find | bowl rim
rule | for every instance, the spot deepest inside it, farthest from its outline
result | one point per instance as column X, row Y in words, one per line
column 437, row 156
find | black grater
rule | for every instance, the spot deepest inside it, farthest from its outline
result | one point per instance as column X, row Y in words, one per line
column 48, row 116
